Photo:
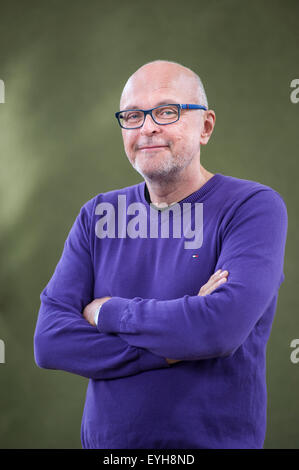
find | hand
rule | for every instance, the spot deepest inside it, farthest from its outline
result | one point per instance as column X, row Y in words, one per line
column 172, row 361
column 218, row 278
column 89, row 309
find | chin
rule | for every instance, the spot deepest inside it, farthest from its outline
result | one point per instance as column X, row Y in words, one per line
column 157, row 172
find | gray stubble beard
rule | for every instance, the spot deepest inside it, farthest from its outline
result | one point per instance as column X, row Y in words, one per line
column 169, row 171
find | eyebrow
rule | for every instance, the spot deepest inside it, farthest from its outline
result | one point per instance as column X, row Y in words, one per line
column 133, row 106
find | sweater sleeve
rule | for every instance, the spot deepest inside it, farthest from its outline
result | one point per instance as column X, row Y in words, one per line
column 63, row 338
column 195, row 327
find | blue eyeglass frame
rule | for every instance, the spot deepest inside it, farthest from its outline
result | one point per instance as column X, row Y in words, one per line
column 149, row 111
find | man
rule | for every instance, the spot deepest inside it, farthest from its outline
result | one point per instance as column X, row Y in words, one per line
column 175, row 353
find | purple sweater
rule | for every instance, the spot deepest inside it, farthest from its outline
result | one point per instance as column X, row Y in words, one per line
column 216, row 397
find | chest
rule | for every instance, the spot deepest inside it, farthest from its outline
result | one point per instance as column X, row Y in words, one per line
column 152, row 268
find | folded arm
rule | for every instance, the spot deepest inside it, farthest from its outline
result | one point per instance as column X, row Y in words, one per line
column 215, row 325
column 63, row 339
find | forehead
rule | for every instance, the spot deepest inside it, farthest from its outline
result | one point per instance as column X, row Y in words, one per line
column 148, row 88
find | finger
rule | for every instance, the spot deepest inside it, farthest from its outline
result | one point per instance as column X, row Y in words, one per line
column 215, row 278
column 216, row 274
column 214, row 286
column 208, row 289
column 212, row 282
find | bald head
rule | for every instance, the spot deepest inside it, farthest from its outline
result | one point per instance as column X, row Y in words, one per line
column 161, row 73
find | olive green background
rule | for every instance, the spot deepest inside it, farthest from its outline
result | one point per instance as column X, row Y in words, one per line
column 64, row 64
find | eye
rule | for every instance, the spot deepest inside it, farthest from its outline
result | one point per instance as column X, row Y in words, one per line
column 133, row 116
column 166, row 112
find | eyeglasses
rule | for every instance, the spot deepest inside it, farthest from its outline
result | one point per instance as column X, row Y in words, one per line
column 162, row 115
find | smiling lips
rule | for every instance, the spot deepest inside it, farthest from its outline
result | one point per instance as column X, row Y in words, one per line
column 154, row 147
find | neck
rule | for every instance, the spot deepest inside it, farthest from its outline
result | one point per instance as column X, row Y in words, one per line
column 172, row 191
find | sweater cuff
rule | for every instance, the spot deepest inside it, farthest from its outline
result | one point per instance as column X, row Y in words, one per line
column 111, row 314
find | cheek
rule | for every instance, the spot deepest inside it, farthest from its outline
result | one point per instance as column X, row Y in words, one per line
column 180, row 142
column 129, row 143
column 184, row 145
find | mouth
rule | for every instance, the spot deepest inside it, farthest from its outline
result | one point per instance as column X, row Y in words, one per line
column 153, row 147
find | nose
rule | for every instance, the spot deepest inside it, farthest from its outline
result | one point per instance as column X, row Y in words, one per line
column 149, row 126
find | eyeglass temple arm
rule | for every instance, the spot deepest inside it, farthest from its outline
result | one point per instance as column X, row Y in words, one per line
column 182, row 106
column 192, row 106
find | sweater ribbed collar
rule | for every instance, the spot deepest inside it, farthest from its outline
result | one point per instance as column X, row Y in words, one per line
column 196, row 196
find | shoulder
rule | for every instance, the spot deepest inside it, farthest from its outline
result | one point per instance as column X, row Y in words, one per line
column 239, row 192
column 251, row 206
column 131, row 192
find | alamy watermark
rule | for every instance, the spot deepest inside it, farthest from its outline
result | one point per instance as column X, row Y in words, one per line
column 295, row 354
column 2, row 351
column 294, row 96
column 2, row 91
column 173, row 221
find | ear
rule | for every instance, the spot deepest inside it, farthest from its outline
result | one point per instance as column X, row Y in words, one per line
column 209, row 120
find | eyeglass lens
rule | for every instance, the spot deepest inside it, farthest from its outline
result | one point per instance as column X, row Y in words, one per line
column 162, row 115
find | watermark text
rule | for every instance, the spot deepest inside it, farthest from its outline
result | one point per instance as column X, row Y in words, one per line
column 2, row 91
column 2, row 352
column 174, row 221
column 295, row 353
column 294, row 96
